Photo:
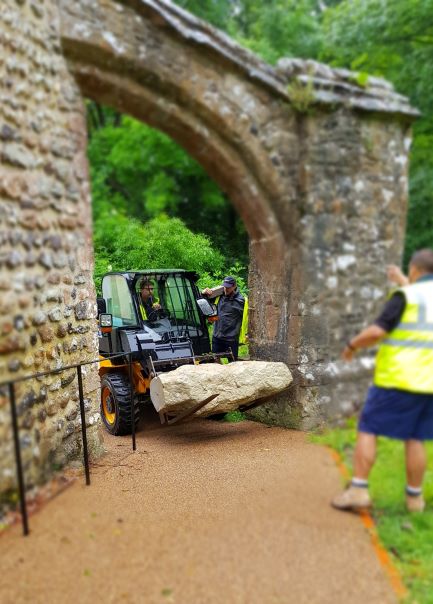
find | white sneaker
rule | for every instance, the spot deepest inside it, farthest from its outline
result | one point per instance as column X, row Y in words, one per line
column 415, row 503
column 353, row 498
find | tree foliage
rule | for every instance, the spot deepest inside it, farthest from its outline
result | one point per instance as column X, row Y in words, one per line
column 214, row 11
column 143, row 174
column 279, row 28
column 123, row 243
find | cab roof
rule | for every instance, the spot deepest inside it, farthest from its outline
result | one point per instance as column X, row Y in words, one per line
column 133, row 275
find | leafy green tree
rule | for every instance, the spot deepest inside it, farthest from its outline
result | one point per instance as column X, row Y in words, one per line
column 144, row 173
column 273, row 29
column 216, row 12
column 279, row 28
column 122, row 243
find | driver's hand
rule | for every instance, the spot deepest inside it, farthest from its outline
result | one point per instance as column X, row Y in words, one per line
column 207, row 292
column 156, row 306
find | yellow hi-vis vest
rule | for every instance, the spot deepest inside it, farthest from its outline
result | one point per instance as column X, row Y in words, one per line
column 143, row 312
column 244, row 327
column 405, row 357
column 143, row 309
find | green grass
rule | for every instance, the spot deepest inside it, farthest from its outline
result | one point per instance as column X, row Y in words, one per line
column 407, row 537
column 234, row 417
column 243, row 355
column 244, row 352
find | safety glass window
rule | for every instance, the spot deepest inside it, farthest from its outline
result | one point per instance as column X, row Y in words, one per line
column 116, row 292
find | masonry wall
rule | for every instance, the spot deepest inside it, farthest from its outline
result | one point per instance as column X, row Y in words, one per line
column 353, row 187
column 46, row 292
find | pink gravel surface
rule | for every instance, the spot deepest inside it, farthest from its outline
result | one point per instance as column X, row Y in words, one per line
column 202, row 513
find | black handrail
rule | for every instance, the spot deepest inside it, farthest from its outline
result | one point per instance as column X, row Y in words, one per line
column 10, row 384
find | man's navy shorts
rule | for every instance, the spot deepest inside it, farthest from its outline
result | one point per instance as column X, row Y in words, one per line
column 397, row 414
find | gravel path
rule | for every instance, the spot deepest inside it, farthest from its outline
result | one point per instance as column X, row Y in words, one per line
column 202, row 513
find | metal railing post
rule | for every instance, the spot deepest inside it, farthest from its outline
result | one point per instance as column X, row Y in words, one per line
column 83, row 425
column 131, row 392
column 10, row 385
column 19, row 465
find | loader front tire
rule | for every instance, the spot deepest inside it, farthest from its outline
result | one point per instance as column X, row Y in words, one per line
column 116, row 404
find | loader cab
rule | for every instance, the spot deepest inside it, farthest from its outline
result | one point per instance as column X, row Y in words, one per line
column 176, row 315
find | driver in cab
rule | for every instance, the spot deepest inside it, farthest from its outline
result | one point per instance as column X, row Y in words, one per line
column 149, row 307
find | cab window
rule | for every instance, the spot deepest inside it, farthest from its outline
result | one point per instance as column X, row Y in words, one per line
column 116, row 292
column 179, row 300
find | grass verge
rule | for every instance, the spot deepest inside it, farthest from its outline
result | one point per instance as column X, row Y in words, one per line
column 407, row 537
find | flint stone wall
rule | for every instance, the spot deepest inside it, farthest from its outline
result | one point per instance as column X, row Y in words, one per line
column 315, row 164
column 46, row 291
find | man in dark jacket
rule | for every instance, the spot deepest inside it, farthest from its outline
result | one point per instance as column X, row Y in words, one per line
column 230, row 308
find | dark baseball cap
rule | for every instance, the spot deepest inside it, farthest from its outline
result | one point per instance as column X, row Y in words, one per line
column 229, row 281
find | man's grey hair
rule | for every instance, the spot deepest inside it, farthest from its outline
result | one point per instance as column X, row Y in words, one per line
column 423, row 260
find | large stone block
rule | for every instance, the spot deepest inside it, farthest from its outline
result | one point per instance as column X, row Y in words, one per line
column 234, row 384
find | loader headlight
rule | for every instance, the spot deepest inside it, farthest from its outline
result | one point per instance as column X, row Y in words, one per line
column 105, row 320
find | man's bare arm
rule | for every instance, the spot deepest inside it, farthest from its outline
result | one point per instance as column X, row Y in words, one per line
column 369, row 336
column 395, row 275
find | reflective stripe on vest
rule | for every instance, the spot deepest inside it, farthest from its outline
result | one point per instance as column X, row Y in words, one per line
column 143, row 311
column 405, row 357
column 244, row 327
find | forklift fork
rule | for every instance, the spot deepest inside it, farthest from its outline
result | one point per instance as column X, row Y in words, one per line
column 166, row 418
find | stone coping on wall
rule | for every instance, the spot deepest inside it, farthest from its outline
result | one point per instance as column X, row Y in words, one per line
column 328, row 86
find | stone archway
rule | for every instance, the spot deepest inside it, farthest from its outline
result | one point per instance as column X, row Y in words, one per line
column 315, row 165
column 132, row 56
column 288, row 172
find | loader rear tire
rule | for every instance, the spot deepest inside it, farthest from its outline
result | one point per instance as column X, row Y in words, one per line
column 116, row 404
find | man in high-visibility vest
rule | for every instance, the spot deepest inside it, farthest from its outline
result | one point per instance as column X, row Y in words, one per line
column 149, row 307
column 400, row 403
column 230, row 308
